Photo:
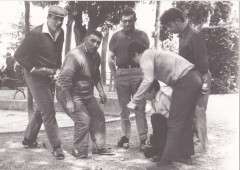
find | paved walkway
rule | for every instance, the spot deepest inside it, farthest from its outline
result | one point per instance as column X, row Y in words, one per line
column 16, row 121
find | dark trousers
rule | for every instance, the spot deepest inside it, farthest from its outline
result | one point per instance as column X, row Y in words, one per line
column 159, row 136
column 180, row 122
column 88, row 120
column 40, row 88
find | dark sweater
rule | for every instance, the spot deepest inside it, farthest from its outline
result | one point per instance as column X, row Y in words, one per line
column 39, row 50
column 192, row 47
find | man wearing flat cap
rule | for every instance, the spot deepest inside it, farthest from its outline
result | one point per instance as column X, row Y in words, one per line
column 40, row 55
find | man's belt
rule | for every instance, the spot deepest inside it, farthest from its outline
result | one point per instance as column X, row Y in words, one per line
column 126, row 66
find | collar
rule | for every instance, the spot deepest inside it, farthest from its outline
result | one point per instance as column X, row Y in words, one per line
column 87, row 52
column 128, row 33
column 85, row 48
column 157, row 98
column 184, row 32
column 46, row 30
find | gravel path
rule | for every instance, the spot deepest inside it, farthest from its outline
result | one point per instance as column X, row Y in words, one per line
column 222, row 152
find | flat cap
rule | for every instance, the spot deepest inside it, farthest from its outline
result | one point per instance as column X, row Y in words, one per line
column 57, row 11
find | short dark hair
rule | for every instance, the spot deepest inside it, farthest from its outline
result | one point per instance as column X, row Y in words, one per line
column 128, row 11
column 155, row 85
column 136, row 46
column 171, row 15
column 94, row 32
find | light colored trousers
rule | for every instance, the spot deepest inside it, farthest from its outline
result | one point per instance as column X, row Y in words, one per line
column 200, row 122
column 88, row 120
column 127, row 82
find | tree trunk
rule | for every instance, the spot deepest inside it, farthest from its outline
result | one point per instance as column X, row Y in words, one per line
column 157, row 26
column 79, row 29
column 68, row 35
column 27, row 29
column 103, row 55
column 79, row 32
column 27, row 16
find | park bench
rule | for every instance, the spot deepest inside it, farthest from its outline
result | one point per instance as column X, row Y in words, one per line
column 13, row 84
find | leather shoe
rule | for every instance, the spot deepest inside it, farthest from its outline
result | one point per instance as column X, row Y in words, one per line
column 58, row 154
column 102, row 151
column 28, row 144
column 186, row 160
column 156, row 158
column 161, row 165
column 79, row 155
column 150, row 151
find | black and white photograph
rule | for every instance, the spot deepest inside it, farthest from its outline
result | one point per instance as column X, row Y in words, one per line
column 119, row 85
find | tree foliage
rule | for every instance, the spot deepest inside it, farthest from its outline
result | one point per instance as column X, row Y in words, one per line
column 19, row 28
column 43, row 4
column 223, row 49
column 221, row 12
column 102, row 14
column 165, row 34
column 17, row 34
column 197, row 12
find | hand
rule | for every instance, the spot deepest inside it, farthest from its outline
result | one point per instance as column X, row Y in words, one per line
column 103, row 98
column 70, row 106
column 132, row 106
column 43, row 71
column 56, row 75
column 207, row 78
column 113, row 73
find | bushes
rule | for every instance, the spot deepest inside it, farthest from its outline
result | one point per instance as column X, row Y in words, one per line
column 223, row 49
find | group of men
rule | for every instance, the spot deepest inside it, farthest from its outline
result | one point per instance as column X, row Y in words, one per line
column 136, row 70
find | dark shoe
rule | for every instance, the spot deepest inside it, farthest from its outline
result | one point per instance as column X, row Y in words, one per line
column 156, row 158
column 28, row 144
column 58, row 154
column 186, row 160
column 122, row 141
column 143, row 145
column 161, row 165
column 105, row 151
column 164, row 162
column 79, row 155
column 150, row 151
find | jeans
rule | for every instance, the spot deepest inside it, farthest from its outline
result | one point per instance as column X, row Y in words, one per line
column 88, row 120
column 40, row 88
column 180, row 122
column 127, row 82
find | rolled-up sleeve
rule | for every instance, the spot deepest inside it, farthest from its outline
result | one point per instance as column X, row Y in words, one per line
column 147, row 65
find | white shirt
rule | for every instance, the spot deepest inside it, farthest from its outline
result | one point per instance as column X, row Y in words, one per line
column 161, row 104
column 46, row 30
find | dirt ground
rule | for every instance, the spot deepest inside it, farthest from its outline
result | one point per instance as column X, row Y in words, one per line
column 222, row 149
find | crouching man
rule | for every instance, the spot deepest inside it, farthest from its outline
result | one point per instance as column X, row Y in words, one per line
column 75, row 86
column 160, row 104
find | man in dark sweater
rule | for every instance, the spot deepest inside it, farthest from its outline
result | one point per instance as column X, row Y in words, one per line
column 40, row 55
column 192, row 47
column 75, row 86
